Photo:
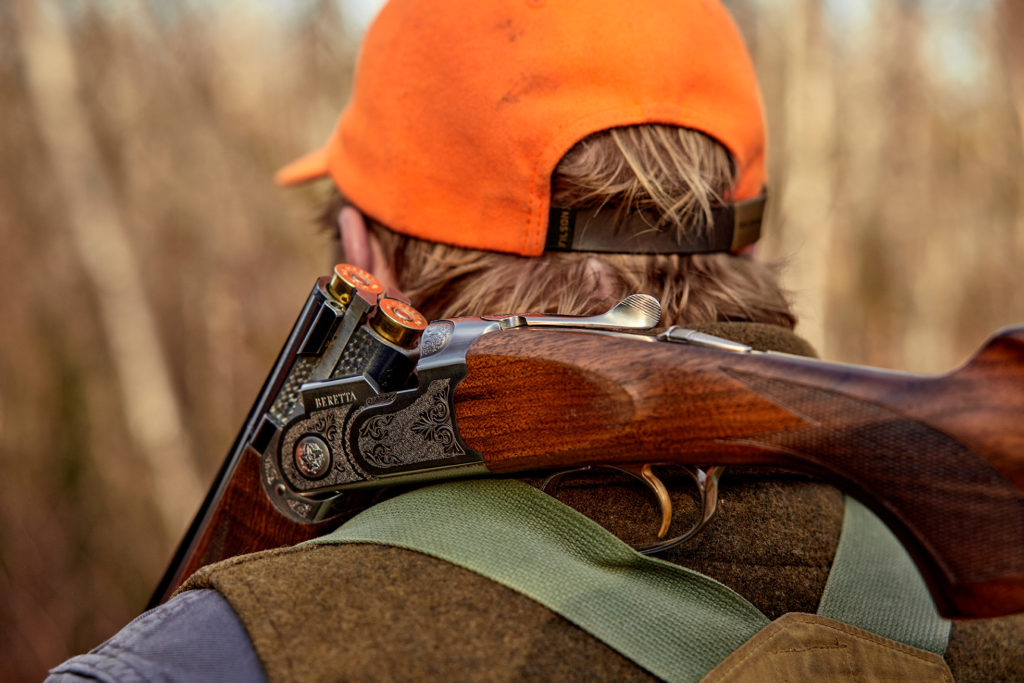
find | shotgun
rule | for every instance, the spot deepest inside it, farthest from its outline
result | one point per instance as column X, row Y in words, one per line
column 365, row 394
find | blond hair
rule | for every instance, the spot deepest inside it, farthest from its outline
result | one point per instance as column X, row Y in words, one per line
column 679, row 173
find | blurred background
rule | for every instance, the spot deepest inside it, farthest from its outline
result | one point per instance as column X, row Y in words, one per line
column 149, row 271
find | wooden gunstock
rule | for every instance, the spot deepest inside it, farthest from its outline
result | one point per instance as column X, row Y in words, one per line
column 939, row 458
column 240, row 520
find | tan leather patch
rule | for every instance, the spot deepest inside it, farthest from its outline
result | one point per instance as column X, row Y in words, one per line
column 806, row 647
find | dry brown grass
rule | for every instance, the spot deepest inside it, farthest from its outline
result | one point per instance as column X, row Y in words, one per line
column 148, row 268
column 898, row 203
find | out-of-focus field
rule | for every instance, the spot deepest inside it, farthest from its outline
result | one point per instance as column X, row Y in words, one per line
column 149, row 271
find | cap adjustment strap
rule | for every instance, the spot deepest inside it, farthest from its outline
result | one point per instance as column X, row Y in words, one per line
column 733, row 226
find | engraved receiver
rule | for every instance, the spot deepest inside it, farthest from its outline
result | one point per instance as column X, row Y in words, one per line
column 348, row 328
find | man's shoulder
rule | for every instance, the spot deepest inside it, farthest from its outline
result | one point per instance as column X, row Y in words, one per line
column 196, row 636
column 386, row 612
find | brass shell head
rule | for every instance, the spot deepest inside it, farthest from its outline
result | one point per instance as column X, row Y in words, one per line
column 347, row 280
column 398, row 322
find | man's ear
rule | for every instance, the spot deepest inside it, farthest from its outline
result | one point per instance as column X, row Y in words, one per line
column 355, row 238
column 362, row 248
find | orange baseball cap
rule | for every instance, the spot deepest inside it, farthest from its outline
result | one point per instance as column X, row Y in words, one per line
column 461, row 109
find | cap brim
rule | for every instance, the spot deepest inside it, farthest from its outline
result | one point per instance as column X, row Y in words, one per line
column 310, row 167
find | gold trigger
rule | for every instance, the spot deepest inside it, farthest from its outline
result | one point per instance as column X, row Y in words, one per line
column 646, row 474
column 707, row 486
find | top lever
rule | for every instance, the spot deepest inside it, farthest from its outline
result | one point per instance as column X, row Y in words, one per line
column 635, row 312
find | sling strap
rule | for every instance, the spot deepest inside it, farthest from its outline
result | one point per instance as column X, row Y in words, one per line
column 875, row 586
column 674, row 622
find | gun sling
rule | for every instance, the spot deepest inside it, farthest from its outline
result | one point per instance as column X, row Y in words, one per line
column 674, row 622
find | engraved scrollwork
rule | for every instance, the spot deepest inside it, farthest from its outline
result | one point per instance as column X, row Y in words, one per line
column 435, row 337
column 326, row 426
column 411, row 432
column 381, row 456
column 386, row 397
column 270, row 471
column 301, row 509
column 376, row 427
column 433, row 424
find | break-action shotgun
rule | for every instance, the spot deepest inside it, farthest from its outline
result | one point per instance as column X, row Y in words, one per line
column 366, row 394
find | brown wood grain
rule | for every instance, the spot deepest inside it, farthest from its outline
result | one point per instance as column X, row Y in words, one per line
column 939, row 458
column 237, row 517
column 243, row 521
